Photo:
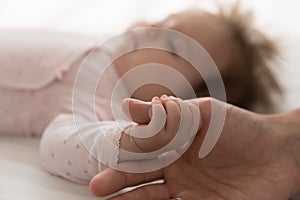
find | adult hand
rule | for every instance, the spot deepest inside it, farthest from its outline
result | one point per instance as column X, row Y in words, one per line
column 252, row 160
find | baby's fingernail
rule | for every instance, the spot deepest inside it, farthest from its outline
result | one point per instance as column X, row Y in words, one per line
column 164, row 96
column 155, row 98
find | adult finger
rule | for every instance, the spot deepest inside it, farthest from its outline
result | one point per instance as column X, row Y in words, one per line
column 156, row 124
column 110, row 181
column 174, row 116
column 152, row 191
column 136, row 110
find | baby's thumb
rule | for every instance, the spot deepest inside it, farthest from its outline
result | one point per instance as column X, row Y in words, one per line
column 136, row 110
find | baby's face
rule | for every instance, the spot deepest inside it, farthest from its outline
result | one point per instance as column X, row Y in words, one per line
column 203, row 27
column 206, row 28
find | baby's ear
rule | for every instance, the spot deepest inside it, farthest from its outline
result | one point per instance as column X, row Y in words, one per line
column 136, row 110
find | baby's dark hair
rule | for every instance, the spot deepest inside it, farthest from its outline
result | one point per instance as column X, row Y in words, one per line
column 257, row 82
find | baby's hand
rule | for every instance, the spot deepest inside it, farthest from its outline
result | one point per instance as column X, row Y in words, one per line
column 165, row 122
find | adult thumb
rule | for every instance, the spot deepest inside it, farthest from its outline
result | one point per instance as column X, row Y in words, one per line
column 136, row 110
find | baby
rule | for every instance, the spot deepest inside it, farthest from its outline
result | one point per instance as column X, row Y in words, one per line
column 38, row 74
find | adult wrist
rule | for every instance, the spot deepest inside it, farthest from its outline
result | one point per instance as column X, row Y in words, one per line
column 288, row 127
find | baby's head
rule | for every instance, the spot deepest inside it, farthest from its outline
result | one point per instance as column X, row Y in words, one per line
column 240, row 51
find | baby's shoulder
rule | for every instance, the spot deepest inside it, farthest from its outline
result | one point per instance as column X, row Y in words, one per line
column 32, row 59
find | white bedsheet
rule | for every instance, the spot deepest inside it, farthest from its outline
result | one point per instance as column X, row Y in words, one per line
column 22, row 176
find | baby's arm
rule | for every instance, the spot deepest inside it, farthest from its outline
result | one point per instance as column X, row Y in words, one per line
column 74, row 151
column 78, row 153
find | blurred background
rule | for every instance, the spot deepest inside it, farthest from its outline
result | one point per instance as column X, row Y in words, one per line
column 104, row 18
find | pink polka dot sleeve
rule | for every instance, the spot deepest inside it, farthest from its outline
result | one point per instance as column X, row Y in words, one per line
column 74, row 153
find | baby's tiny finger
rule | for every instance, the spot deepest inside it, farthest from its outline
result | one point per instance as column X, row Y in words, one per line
column 196, row 119
column 174, row 116
column 164, row 99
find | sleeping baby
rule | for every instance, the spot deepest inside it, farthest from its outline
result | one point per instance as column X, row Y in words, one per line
column 38, row 71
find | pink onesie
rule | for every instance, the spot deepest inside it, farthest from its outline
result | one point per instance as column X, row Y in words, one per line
column 37, row 72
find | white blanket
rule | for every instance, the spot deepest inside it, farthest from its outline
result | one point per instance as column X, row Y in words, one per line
column 22, row 176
